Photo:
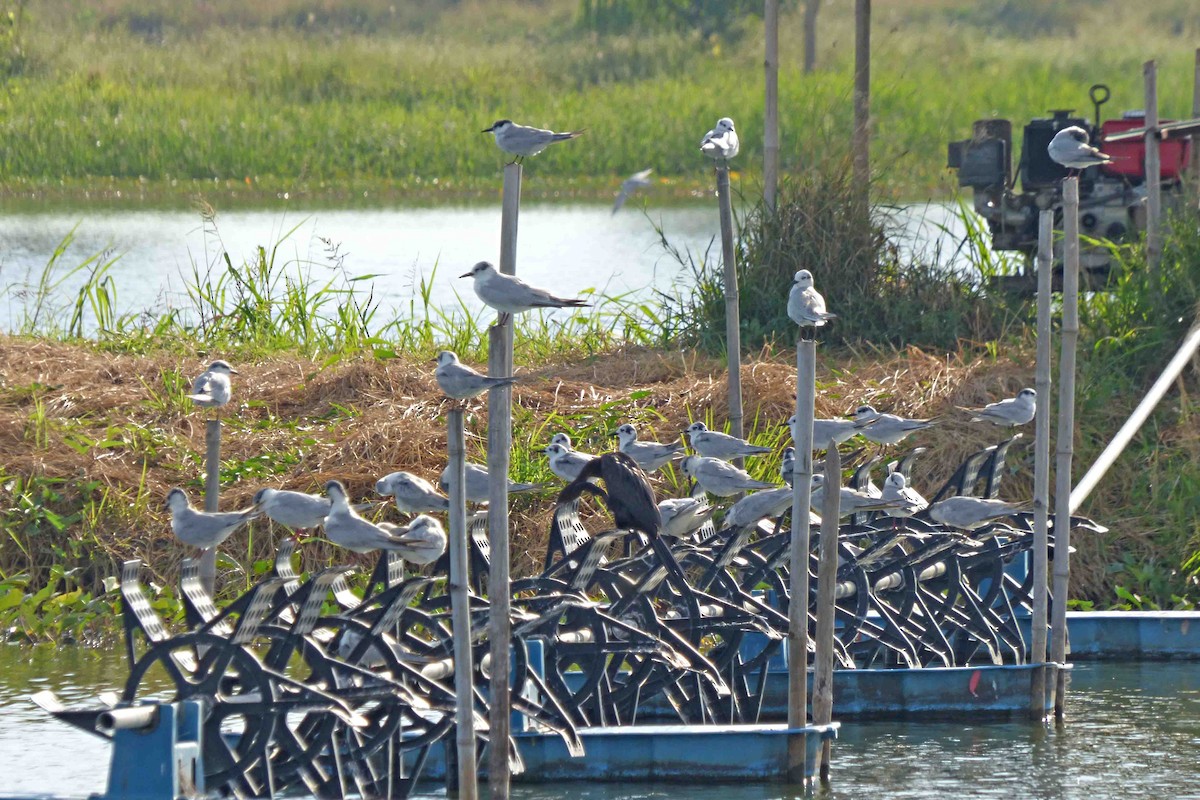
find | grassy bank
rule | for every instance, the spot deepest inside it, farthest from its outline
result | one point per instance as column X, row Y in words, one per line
column 312, row 98
column 96, row 431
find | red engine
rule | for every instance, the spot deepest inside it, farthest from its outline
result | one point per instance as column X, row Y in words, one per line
column 1130, row 156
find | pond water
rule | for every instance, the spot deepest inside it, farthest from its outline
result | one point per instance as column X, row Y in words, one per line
column 567, row 248
column 1133, row 730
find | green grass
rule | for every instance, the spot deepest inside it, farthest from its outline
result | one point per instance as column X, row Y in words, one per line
column 377, row 98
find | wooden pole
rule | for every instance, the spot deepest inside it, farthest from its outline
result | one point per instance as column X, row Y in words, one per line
column 861, row 140
column 1041, row 463
column 733, row 335
column 468, row 785
column 1064, row 439
column 797, row 643
column 826, row 583
column 811, row 7
column 1153, row 169
column 212, row 495
column 1195, row 162
column 771, row 104
column 500, row 364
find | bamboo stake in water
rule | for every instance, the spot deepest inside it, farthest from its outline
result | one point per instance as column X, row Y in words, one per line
column 1153, row 169
column 733, row 336
column 826, row 583
column 212, row 496
column 500, row 364
column 468, row 786
column 1041, row 463
column 771, row 104
column 861, row 139
column 797, row 642
column 1066, row 428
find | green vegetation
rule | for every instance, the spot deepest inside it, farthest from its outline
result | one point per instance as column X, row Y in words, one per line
column 318, row 98
column 331, row 100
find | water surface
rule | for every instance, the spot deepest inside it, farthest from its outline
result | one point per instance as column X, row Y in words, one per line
column 1133, row 730
column 568, row 248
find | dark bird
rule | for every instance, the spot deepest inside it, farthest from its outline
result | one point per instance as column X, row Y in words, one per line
column 627, row 492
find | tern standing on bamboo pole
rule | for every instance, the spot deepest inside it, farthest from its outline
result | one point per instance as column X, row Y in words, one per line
column 1041, row 463
column 1153, row 169
column 212, row 389
column 722, row 144
column 771, row 103
column 500, row 365
column 1066, row 428
column 826, row 583
column 802, row 435
column 468, row 788
column 806, row 307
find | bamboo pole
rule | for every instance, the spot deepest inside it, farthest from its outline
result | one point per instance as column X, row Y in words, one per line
column 1041, row 463
column 1153, row 169
column 826, row 583
column 733, row 335
column 1189, row 347
column 811, row 7
column 500, row 364
column 212, row 496
column 771, row 104
column 1064, row 439
column 797, row 642
column 1195, row 162
column 468, row 785
column 861, row 139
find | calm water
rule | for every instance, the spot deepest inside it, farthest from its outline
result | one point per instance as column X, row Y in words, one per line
column 567, row 248
column 1133, row 732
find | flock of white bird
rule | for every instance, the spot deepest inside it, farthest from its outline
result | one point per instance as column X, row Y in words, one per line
column 422, row 540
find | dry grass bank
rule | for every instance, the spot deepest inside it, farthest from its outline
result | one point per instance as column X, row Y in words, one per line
column 113, row 433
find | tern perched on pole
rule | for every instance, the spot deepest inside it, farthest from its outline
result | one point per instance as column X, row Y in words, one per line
column 721, row 141
column 806, row 306
column 510, row 295
column 212, row 388
column 461, row 382
column 1071, row 149
column 522, row 140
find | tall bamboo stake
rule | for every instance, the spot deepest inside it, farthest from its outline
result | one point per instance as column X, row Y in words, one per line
column 1153, row 169
column 1195, row 162
column 771, row 104
column 733, row 335
column 212, row 496
column 1041, row 462
column 1066, row 428
column 826, row 583
column 500, row 364
column 861, row 139
column 811, row 7
column 468, row 785
column 797, row 642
